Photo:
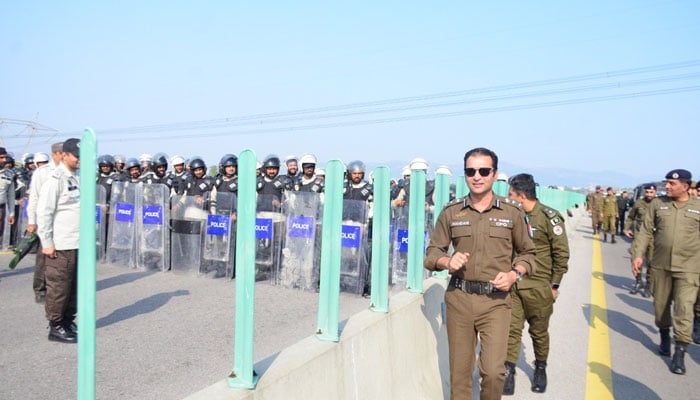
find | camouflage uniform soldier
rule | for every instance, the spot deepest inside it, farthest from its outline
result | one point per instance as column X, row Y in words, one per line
column 609, row 215
column 672, row 222
column 636, row 216
column 533, row 297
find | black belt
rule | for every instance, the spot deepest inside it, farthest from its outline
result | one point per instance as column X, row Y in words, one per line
column 473, row 287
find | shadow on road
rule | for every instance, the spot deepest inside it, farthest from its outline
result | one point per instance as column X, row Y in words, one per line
column 622, row 324
column 17, row 271
column 143, row 306
column 622, row 387
column 123, row 279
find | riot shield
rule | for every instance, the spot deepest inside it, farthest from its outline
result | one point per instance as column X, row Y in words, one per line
column 219, row 237
column 187, row 220
column 399, row 247
column 153, row 243
column 269, row 233
column 301, row 254
column 355, row 248
column 101, row 218
column 121, row 241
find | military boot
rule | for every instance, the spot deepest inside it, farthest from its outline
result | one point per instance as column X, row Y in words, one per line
column 612, row 238
column 509, row 386
column 678, row 362
column 665, row 345
column 645, row 291
column 637, row 284
column 605, row 236
column 696, row 331
column 539, row 380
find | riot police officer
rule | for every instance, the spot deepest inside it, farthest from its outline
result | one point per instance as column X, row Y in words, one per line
column 119, row 162
column 198, row 184
column 228, row 170
column 308, row 181
column 356, row 187
column 132, row 167
column 179, row 174
column 271, row 185
column 159, row 172
column 107, row 173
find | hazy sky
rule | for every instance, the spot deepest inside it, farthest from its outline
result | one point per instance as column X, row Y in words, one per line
column 587, row 85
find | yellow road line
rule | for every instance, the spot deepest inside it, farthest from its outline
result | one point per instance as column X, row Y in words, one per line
column 599, row 372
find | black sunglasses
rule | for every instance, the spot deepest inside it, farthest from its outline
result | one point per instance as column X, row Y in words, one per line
column 482, row 171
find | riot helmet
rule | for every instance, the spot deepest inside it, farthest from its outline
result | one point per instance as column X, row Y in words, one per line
column 228, row 160
column 107, row 161
column 356, row 171
column 197, row 163
column 133, row 167
column 160, row 164
column 40, row 158
column 271, row 161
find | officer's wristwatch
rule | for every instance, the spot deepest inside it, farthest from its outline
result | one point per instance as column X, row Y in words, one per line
column 518, row 274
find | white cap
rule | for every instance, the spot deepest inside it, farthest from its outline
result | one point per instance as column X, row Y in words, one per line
column 406, row 171
column 320, row 172
column 145, row 157
column 258, row 165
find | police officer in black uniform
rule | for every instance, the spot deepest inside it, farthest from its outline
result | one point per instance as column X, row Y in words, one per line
column 308, row 181
column 271, row 185
column 227, row 181
column 199, row 184
column 159, row 168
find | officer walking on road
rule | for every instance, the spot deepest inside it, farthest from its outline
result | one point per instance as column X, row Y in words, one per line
column 7, row 196
column 534, row 296
column 672, row 224
column 636, row 216
column 58, row 226
column 485, row 231
column 595, row 207
column 609, row 215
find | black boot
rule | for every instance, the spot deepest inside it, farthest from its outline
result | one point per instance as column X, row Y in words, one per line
column 605, row 236
column 665, row 345
column 637, row 284
column 509, row 386
column 613, row 238
column 58, row 333
column 696, row 331
column 678, row 362
column 539, row 380
column 645, row 291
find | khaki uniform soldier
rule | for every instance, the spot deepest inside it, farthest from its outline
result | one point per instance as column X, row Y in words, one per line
column 534, row 296
column 7, row 196
column 609, row 215
column 636, row 216
column 58, row 227
column 672, row 223
column 485, row 231
column 595, row 207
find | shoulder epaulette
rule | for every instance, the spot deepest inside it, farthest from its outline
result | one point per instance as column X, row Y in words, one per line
column 512, row 202
column 553, row 215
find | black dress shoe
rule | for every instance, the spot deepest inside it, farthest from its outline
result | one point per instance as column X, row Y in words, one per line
column 70, row 326
column 58, row 333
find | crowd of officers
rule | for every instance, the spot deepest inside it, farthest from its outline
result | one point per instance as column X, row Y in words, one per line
column 665, row 233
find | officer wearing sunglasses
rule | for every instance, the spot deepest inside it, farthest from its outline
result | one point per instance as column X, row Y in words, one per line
column 485, row 231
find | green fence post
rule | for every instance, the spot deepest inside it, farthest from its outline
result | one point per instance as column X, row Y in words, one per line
column 87, row 261
column 442, row 197
column 329, row 292
column 381, row 211
column 461, row 187
column 243, row 375
column 416, row 232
